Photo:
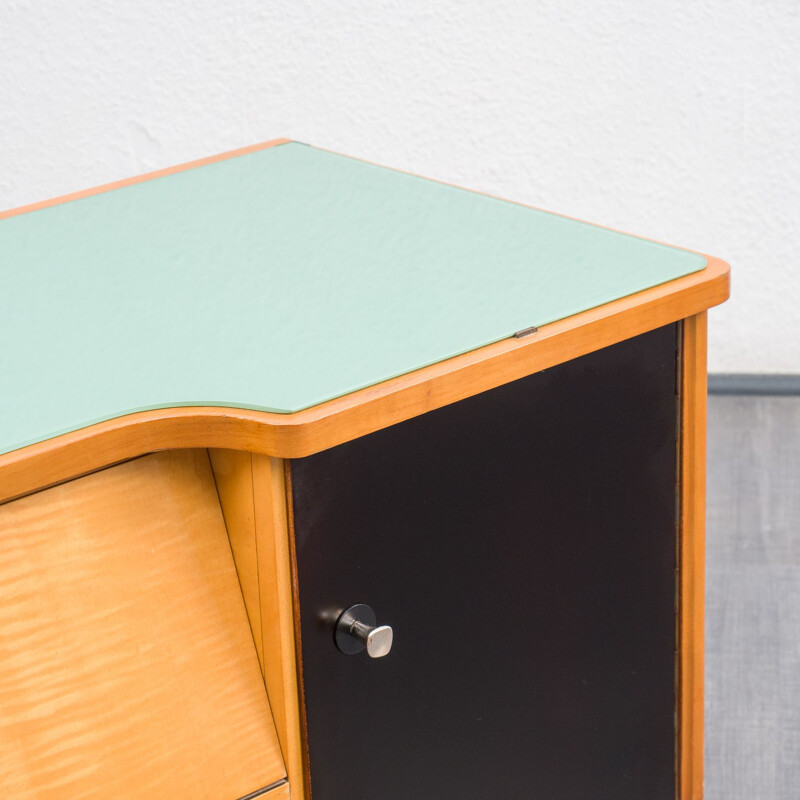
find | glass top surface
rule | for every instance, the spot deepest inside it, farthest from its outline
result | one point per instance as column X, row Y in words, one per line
column 277, row 280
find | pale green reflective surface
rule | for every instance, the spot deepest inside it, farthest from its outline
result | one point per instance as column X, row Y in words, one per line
column 275, row 281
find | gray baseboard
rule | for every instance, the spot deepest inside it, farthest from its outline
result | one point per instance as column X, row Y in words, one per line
column 752, row 383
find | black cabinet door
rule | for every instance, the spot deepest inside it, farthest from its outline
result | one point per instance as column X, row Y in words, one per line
column 522, row 545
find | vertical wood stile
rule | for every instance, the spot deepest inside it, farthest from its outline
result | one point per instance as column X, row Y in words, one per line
column 277, row 610
column 252, row 492
column 692, row 557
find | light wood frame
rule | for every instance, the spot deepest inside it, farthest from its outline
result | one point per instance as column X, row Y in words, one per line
column 691, row 556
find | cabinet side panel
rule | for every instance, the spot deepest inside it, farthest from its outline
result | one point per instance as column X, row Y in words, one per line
column 522, row 544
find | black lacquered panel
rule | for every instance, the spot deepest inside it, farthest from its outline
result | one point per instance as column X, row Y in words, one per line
column 521, row 543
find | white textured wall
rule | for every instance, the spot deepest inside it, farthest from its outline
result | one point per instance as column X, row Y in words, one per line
column 676, row 120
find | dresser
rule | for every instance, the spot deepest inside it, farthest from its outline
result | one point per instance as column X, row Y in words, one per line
column 320, row 479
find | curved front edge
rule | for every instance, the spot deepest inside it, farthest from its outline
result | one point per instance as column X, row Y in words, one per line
column 376, row 407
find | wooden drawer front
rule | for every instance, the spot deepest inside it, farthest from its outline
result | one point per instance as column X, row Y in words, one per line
column 127, row 666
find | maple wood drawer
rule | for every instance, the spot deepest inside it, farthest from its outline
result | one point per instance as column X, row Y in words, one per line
column 127, row 665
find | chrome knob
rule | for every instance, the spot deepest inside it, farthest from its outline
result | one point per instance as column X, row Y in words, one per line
column 357, row 629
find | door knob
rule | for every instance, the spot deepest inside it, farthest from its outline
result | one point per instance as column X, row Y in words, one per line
column 357, row 629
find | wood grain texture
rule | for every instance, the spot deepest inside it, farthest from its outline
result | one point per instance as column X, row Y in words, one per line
column 253, row 498
column 233, row 475
column 365, row 411
column 127, row 668
column 692, row 557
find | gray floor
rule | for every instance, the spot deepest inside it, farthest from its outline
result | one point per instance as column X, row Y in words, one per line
column 753, row 599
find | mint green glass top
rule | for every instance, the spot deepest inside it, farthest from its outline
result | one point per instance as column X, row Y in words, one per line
column 277, row 280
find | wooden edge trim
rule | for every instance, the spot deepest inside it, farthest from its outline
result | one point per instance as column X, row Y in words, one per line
column 328, row 424
column 270, row 476
column 691, row 567
column 298, row 639
column 147, row 176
